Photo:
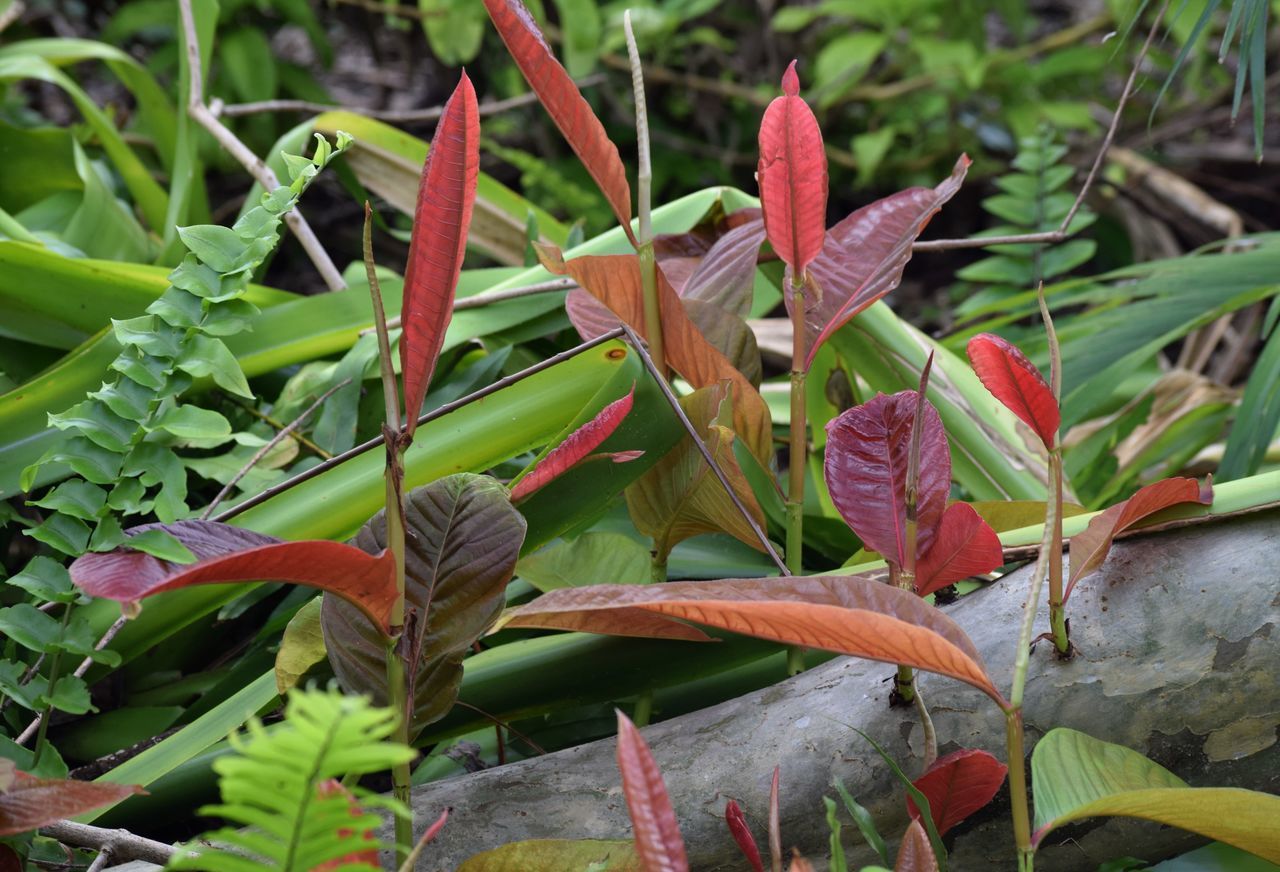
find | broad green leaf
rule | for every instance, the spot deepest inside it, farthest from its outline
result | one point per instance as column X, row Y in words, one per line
column 681, row 497
column 454, row 29
column 592, row 558
column 463, row 539
column 301, row 647
column 1075, row 776
column 556, row 855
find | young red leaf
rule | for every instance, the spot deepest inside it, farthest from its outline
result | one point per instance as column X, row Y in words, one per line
column 579, row 444
column 29, row 802
column 866, row 472
column 742, row 834
column 440, row 221
column 915, row 854
column 964, row 546
column 226, row 554
column 653, row 820
column 792, row 175
column 958, row 785
column 565, row 104
column 851, row 615
column 1014, row 381
column 1089, row 549
column 865, row 254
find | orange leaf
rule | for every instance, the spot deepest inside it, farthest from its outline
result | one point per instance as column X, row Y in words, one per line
column 653, row 820
column 565, row 104
column 445, row 197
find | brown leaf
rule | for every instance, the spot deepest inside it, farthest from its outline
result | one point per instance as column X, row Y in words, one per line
column 653, row 820
column 916, row 854
column 30, row 803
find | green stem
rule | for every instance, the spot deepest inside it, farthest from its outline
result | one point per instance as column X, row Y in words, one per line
column 644, row 184
column 400, row 774
column 798, row 454
column 658, row 563
column 1018, row 789
column 54, row 662
column 1057, row 608
column 652, row 307
column 643, row 709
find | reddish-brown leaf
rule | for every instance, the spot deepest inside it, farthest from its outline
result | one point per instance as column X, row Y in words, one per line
column 1014, row 380
column 799, row 863
column 578, row 445
column 614, row 280
column 965, row 546
column 741, row 833
column 653, row 820
column 30, row 802
column 866, row 472
column 565, row 104
column 865, row 254
column 226, row 554
column 1089, row 548
column 957, row 785
column 846, row 614
column 440, row 221
column 916, row 854
column 726, row 274
column 792, row 175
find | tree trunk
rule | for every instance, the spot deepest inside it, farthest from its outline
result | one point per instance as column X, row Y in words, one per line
column 1177, row 660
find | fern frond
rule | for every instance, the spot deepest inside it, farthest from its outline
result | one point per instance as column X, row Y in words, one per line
column 271, row 792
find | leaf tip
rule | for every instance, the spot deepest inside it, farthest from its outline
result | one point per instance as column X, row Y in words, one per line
column 791, row 81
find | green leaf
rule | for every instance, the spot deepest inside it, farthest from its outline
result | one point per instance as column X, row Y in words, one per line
column 1075, row 776
column 1258, row 414
column 464, row 537
column 30, row 627
column 219, row 247
column 76, row 498
column 62, row 533
column 245, row 56
column 69, row 694
column 592, row 558
column 454, row 29
column 192, row 422
column 301, row 647
column 160, row 544
column 581, row 27
column 47, row 580
column 863, row 819
column 98, row 423
column 838, row 862
column 205, row 356
column 12, row 687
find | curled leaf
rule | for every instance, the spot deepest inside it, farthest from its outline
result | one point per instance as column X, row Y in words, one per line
column 653, row 820
column 1014, row 380
column 440, row 221
column 578, row 445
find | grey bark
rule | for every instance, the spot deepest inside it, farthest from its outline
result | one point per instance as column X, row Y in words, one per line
column 1178, row 660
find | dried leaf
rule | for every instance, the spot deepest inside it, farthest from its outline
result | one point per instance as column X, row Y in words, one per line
column 653, row 820
column 1014, row 380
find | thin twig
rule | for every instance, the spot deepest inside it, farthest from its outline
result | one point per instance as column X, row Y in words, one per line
column 123, row 845
column 394, row 116
column 79, row 673
column 278, row 425
column 266, row 449
column 105, row 856
column 256, row 167
column 638, row 344
column 501, row 383
column 1053, row 236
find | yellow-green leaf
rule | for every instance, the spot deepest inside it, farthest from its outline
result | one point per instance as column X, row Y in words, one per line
column 301, row 647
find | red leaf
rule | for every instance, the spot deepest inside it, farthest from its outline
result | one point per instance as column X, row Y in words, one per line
column 1089, row 549
column 915, row 854
column 866, row 471
column 957, row 785
column 965, row 546
column 225, row 554
column 440, row 221
column 565, row 104
column 742, row 835
column 792, row 175
column 578, row 445
column 30, row 802
column 653, row 820
column 865, row 254
column 1014, row 381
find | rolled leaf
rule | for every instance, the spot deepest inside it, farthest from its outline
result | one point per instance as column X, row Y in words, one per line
column 850, row 615
column 964, row 546
column 1075, row 776
column 1090, row 548
column 1014, row 380
column 565, row 104
column 915, row 854
column 866, row 472
column 227, row 554
column 865, row 254
column 741, row 832
column 653, row 820
column 580, row 443
column 463, row 540
column 793, row 177
column 440, row 221
column 957, row 785
column 28, row 803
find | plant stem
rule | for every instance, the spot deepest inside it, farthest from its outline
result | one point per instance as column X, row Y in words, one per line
column 643, row 710
column 658, row 563
column 798, row 453
column 1018, row 789
column 644, row 183
column 1057, row 608
column 54, row 661
column 400, row 774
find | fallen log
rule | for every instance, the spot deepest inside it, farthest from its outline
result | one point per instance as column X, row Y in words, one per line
column 1178, row 637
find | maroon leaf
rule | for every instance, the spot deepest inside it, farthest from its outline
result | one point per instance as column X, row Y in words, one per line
column 565, row 104
column 865, row 254
column 30, row 803
column 866, row 472
column 226, row 554
column 726, row 274
column 589, row 316
column 579, row 444
column 793, row 176
column 957, row 785
column 440, row 222
column 965, row 546
column 1089, row 549
column 742, row 834
column 653, row 820
column 1014, row 380
column 915, row 854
